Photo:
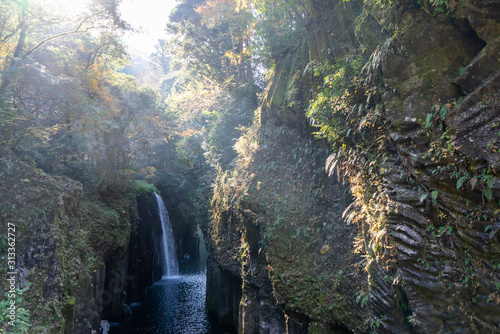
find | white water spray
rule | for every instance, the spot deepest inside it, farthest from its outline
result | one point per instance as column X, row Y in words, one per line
column 169, row 265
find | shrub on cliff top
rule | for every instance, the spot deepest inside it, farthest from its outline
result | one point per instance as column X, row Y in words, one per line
column 142, row 187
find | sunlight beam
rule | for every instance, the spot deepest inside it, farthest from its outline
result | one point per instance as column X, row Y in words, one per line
column 67, row 7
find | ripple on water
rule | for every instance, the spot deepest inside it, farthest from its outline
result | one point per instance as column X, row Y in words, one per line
column 174, row 305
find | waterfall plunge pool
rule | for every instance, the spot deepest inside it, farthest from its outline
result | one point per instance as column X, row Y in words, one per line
column 174, row 305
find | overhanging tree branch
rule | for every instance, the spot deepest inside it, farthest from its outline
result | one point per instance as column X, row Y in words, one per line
column 48, row 39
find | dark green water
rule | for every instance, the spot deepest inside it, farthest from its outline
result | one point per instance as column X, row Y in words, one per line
column 174, row 305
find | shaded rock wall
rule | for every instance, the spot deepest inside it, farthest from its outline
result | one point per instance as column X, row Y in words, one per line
column 80, row 258
column 63, row 240
column 144, row 263
column 128, row 277
column 223, row 295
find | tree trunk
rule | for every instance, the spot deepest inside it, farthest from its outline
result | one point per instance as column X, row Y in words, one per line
column 6, row 80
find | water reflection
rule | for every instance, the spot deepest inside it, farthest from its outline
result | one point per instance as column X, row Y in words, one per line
column 174, row 305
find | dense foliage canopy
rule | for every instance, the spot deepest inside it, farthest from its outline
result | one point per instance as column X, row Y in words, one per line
column 68, row 107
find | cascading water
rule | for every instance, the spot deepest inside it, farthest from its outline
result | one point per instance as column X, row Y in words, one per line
column 169, row 265
column 176, row 304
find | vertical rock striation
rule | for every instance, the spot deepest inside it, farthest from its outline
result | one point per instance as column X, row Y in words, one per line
column 403, row 236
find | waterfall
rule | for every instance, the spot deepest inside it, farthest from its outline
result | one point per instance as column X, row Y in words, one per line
column 169, row 265
column 202, row 247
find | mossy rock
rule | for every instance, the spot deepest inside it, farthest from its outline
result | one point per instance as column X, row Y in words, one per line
column 68, row 312
column 58, row 230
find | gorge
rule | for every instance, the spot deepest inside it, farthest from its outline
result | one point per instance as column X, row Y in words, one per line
column 338, row 161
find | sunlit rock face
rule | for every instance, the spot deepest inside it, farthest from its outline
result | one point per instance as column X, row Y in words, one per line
column 418, row 249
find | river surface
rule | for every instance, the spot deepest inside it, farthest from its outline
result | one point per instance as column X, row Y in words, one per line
column 174, row 305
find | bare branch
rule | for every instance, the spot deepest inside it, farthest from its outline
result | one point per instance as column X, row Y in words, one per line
column 48, row 39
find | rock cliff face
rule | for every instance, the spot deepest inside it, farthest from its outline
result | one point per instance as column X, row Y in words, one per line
column 403, row 236
column 144, row 264
column 63, row 243
column 386, row 220
column 440, row 181
column 127, row 277
column 79, row 258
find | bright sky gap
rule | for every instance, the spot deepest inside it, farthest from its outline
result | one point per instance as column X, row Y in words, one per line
column 151, row 17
